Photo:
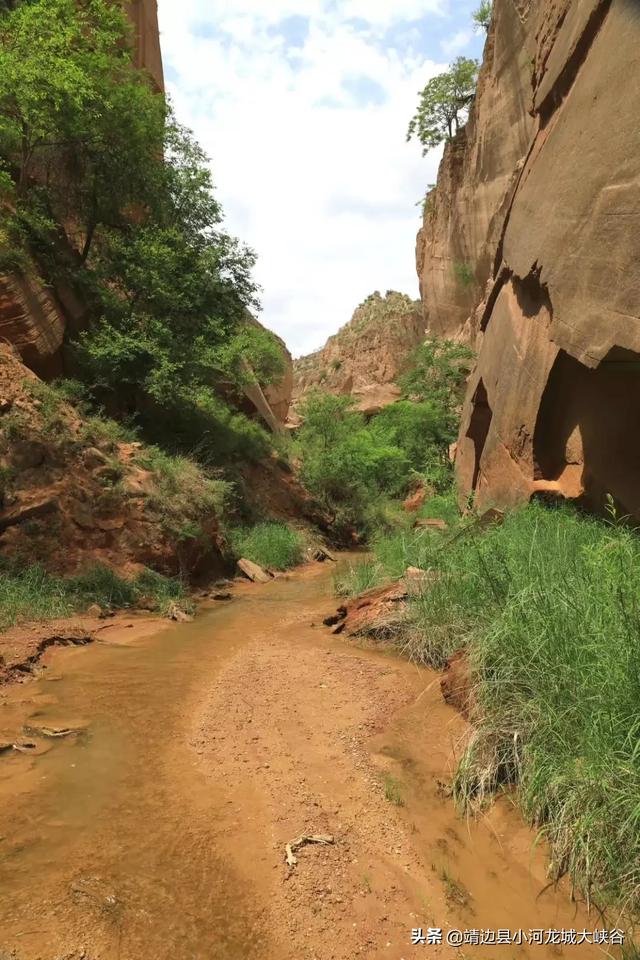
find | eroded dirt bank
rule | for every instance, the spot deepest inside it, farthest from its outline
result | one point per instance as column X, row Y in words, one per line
column 157, row 827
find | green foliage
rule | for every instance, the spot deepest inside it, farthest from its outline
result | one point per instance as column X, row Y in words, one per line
column 115, row 198
column 32, row 593
column 183, row 493
column 355, row 467
column 482, row 16
column 344, row 463
column 436, row 373
column 444, row 104
column 464, row 273
column 272, row 545
column 420, row 430
column 547, row 605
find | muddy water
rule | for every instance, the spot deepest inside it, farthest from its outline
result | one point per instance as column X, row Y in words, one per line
column 114, row 842
column 108, row 841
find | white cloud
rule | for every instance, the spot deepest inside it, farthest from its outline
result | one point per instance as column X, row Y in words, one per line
column 324, row 189
column 457, row 43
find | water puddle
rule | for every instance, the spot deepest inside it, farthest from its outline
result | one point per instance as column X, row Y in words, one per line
column 109, row 835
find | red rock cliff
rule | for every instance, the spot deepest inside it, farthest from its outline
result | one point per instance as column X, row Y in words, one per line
column 366, row 355
column 531, row 250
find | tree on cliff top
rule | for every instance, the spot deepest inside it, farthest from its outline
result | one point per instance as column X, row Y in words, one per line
column 482, row 16
column 444, row 104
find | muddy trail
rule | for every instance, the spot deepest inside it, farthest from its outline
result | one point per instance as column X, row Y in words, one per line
column 156, row 826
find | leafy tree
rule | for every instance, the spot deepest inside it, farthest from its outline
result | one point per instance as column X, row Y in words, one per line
column 482, row 16
column 437, row 373
column 421, row 430
column 345, row 464
column 114, row 197
column 444, row 104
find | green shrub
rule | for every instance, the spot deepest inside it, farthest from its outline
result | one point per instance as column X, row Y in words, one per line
column 184, row 493
column 272, row 545
column 464, row 273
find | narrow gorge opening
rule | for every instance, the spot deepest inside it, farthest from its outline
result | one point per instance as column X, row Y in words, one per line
column 479, row 427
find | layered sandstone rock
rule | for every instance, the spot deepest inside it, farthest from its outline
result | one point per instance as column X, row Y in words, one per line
column 540, row 197
column 144, row 16
column 32, row 321
column 366, row 355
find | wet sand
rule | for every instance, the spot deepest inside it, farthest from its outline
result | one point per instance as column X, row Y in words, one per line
column 156, row 827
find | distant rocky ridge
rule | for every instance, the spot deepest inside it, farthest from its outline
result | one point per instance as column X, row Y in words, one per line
column 530, row 250
column 364, row 358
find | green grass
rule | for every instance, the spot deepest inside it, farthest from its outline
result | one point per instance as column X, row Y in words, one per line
column 357, row 577
column 548, row 604
column 30, row 593
column 393, row 791
column 272, row 545
column 454, row 890
column 186, row 496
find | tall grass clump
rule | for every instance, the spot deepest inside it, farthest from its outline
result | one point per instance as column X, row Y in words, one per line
column 270, row 544
column 32, row 593
column 548, row 605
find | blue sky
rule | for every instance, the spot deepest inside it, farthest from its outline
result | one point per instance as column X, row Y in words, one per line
column 303, row 107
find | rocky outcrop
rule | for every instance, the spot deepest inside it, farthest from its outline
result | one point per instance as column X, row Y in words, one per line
column 72, row 496
column 32, row 321
column 540, row 199
column 279, row 394
column 364, row 358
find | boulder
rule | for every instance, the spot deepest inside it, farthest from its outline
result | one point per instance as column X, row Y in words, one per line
column 415, row 500
column 82, row 515
column 27, row 454
column 320, row 554
column 30, row 511
column 92, row 458
column 253, row 572
column 433, row 523
column 376, row 612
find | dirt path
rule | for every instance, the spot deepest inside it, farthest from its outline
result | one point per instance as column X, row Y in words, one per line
column 159, row 831
column 313, row 735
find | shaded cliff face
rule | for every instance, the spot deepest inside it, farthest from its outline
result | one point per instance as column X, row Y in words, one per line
column 366, row 355
column 541, row 197
column 144, row 16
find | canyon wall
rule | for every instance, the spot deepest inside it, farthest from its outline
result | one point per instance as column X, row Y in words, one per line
column 144, row 16
column 364, row 358
column 530, row 250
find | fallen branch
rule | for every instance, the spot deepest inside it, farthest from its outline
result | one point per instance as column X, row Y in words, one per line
column 294, row 845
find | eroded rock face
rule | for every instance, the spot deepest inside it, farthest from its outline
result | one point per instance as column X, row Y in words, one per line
column 144, row 16
column 542, row 196
column 32, row 321
column 366, row 355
